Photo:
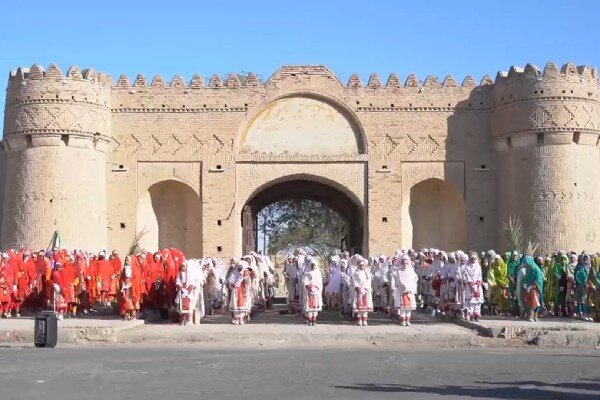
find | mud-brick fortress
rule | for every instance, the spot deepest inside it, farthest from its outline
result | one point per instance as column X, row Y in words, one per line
column 191, row 163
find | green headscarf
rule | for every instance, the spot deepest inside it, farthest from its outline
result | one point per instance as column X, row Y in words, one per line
column 513, row 265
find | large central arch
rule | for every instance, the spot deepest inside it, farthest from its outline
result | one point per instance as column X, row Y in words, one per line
column 323, row 192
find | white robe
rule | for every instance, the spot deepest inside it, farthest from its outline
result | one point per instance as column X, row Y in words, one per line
column 333, row 286
column 406, row 284
column 194, row 277
column 362, row 288
column 313, row 298
column 474, row 284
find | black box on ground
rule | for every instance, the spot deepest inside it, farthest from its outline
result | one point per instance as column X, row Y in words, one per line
column 45, row 329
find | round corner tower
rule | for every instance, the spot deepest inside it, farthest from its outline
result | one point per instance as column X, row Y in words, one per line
column 546, row 128
column 56, row 134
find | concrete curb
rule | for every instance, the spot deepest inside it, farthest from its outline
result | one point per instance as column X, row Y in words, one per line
column 537, row 335
column 71, row 334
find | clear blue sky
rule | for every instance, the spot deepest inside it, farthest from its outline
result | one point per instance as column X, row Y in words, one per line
column 187, row 37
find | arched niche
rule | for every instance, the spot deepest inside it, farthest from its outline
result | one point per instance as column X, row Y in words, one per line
column 437, row 216
column 170, row 215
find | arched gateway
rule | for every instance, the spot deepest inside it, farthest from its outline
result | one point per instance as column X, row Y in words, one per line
column 310, row 188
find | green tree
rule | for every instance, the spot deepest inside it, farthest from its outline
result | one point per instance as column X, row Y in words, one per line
column 290, row 224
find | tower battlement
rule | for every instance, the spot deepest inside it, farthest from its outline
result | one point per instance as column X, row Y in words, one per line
column 531, row 83
column 37, row 72
column 533, row 107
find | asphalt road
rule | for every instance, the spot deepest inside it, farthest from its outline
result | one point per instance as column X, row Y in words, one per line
column 191, row 373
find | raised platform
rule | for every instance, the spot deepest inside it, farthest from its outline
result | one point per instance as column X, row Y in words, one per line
column 547, row 332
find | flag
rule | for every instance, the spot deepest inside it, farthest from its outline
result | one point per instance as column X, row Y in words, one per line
column 55, row 242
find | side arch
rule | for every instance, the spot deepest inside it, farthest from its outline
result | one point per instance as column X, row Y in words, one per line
column 436, row 216
column 169, row 213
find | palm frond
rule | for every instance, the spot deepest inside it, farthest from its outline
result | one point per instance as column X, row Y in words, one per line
column 513, row 233
column 135, row 244
column 531, row 248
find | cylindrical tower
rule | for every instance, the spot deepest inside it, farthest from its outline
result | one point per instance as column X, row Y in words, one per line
column 546, row 129
column 56, row 134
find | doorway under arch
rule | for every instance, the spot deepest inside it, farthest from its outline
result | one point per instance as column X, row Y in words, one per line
column 170, row 215
column 347, row 207
column 438, row 216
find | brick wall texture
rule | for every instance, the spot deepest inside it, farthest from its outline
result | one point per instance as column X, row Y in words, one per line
column 428, row 163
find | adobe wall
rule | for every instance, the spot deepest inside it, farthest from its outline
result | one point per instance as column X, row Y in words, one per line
column 223, row 139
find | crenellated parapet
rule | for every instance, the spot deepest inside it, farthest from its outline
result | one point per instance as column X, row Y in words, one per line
column 553, row 106
column 47, row 108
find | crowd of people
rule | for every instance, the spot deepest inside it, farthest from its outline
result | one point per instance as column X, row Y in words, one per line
column 456, row 284
column 166, row 283
column 162, row 283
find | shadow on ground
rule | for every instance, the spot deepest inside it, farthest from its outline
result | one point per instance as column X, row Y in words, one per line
column 501, row 390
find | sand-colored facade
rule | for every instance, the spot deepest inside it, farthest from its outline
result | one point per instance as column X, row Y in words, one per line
column 410, row 165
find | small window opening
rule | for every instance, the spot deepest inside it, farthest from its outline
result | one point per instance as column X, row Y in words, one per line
column 219, row 166
column 540, row 139
column 121, row 166
column 576, row 137
column 483, row 166
column 218, row 222
column 384, row 219
column 392, row 105
column 481, row 219
column 384, row 167
column 509, row 142
column 219, row 249
column 122, row 224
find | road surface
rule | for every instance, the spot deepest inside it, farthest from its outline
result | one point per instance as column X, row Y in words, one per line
column 189, row 372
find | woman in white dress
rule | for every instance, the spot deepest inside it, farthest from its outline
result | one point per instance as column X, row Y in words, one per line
column 363, row 298
column 312, row 285
column 406, row 281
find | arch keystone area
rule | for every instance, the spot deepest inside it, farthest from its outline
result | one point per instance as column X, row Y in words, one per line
column 302, row 123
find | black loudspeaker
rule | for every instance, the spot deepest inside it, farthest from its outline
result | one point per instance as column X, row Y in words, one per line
column 45, row 329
